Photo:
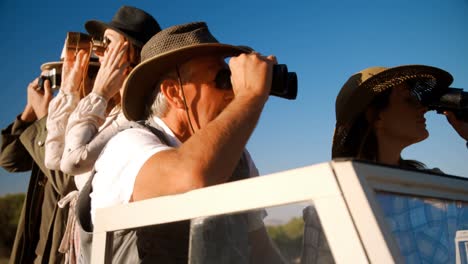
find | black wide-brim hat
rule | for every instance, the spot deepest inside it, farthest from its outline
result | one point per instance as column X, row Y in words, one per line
column 361, row 89
column 168, row 48
column 133, row 23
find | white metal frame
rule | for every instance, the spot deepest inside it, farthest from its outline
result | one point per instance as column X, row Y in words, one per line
column 461, row 236
column 359, row 181
column 342, row 193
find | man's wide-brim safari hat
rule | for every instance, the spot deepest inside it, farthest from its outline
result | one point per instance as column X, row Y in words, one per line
column 361, row 88
column 162, row 53
column 133, row 23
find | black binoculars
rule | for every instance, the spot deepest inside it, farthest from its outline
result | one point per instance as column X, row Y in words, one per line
column 283, row 84
column 441, row 99
column 452, row 99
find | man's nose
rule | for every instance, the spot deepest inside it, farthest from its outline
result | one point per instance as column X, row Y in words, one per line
column 228, row 95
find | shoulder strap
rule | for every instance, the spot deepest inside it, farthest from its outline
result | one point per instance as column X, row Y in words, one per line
column 83, row 206
column 155, row 129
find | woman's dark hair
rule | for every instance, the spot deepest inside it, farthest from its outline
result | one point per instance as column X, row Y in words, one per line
column 134, row 55
column 362, row 140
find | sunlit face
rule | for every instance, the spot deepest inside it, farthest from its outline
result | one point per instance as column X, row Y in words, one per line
column 113, row 40
column 204, row 100
column 402, row 121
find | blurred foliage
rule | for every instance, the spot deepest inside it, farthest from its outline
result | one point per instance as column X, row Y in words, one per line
column 10, row 210
column 288, row 238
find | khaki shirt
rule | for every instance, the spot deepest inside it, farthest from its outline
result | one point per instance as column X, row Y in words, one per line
column 42, row 223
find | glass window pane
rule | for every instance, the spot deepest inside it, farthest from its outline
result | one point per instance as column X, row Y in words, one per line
column 424, row 228
column 282, row 234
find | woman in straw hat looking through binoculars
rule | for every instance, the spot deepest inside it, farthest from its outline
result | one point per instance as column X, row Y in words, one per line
column 378, row 113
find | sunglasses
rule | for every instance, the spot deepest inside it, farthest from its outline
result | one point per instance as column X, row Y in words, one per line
column 223, row 79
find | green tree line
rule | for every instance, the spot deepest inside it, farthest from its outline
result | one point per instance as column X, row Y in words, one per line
column 288, row 238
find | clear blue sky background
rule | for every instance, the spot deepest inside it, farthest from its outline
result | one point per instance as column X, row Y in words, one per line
column 323, row 41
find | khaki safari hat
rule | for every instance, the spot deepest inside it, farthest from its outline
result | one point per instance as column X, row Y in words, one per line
column 135, row 24
column 361, row 88
column 168, row 48
column 57, row 65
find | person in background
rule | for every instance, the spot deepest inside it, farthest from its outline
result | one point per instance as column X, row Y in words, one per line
column 378, row 114
column 79, row 129
column 41, row 224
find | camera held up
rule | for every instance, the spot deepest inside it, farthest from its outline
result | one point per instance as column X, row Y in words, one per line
column 54, row 77
column 284, row 83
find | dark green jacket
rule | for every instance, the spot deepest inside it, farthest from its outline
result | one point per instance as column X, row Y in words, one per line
column 42, row 223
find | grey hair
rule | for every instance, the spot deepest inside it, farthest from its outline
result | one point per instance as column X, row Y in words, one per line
column 159, row 105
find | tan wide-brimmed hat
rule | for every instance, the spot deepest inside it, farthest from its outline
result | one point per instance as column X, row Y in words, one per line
column 57, row 65
column 361, row 88
column 168, row 48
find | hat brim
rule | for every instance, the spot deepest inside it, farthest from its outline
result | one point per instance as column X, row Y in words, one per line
column 376, row 84
column 396, row 75
column 52, row 65
column 58, row 65
column 363, row 95
column 141, row 81
column 97, row 28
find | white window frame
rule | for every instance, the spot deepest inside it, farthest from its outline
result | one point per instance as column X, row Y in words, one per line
column 343, row 193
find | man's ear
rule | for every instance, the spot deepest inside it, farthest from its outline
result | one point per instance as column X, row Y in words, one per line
column 170, row 89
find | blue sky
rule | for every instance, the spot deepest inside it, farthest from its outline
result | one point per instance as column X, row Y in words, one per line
column 323, row 41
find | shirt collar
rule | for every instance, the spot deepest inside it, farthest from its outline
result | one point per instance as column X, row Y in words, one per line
column 173, row 140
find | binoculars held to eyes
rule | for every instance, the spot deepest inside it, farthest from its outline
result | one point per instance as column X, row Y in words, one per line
column 446, row 99
column 283, row 83
column 454, row 100
column 74, row 42
column 77, row 40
